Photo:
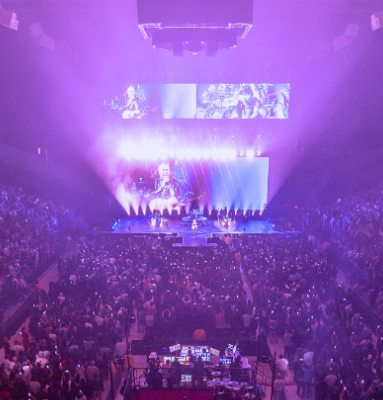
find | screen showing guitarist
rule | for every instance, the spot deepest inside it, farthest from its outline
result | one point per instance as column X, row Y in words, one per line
column 165, row 189
column 133, row 107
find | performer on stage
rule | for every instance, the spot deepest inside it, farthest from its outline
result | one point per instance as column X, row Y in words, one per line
column 194, row 226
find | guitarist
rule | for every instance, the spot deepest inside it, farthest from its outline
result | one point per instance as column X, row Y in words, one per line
column 133, row 107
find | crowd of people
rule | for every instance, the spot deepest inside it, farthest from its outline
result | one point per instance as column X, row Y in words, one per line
column 28, row 233
column 354, row 225
column 79, row 325
column 279, row 287
column 326, row 343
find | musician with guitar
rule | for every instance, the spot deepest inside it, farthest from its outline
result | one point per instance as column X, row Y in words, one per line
column 133, row 107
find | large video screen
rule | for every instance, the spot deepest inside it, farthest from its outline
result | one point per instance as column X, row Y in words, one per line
column 241, row 183
column 201, row 101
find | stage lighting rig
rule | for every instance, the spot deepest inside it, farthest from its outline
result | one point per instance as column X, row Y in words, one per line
column 194, row 26
column 8, row 19
column 377, row 20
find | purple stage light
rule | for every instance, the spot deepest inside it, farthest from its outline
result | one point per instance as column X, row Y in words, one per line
column 232, row 154
column 250, row 153
column 206, row 154
column 181, row 154
column 197, row 154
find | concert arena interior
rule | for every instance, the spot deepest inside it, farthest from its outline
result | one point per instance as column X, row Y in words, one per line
column 191, row 199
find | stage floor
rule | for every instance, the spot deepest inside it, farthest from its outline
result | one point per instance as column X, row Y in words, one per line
column 141, row 226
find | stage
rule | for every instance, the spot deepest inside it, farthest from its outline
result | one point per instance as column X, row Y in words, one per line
column 185, row 235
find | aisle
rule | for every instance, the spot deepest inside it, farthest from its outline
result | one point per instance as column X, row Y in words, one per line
column 248, row 289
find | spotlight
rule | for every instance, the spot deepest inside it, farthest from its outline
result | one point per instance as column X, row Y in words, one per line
column 215, row 154
column 162, row 153
column 206, row 154
column 181, row 154
column 188, row 154
column 152, row 154
column 250, row 153
column 222, row 154
column 232, row 154
column 197, row 154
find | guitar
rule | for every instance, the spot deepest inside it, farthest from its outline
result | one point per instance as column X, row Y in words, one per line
column 128, row 114
column 137, row 114
column 171, row 202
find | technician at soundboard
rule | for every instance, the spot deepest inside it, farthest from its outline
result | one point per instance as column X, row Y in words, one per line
column 220, row 368
column 176, row 367
column 190, row 358
column 236, row 369
column 199, row 369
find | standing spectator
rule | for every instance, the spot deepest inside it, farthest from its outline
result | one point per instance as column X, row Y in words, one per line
column 298, row 378
column 25, row 337
column 279, row 388
column 120, row 350
column 287, row 341
column 308, row 374
column 92, row 371
column 282, row 366
column 168, row 374
column 331, row 381
column 272, row 324
column 96, row 386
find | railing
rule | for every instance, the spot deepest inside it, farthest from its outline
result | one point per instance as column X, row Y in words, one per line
column 370, row 316
column 260, row 378
column 356, row 276
column 13, row 320
column 127, row 389
column 115, row 379
column 241, row 380
column 349, row 268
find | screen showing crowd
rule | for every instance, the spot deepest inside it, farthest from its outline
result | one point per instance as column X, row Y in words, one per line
column 173, row 184
column 201, row 101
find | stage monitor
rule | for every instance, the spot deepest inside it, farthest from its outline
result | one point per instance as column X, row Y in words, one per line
column 196, row 351
column 186, row 378
column 200, row 101
column 174, row 348
column 214, row 352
